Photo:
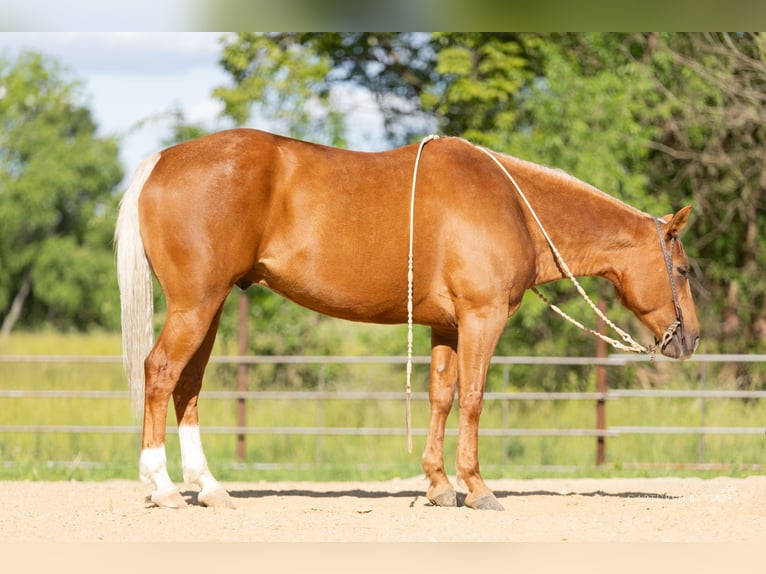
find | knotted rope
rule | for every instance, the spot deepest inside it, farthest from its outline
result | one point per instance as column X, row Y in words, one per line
column 410, row 277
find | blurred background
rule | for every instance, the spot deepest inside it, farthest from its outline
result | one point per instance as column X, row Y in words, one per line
column 659, row 120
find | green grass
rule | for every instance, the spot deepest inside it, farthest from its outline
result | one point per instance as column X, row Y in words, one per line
column 89, row 456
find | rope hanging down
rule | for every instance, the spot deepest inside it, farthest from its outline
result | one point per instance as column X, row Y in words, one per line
column 410, row 277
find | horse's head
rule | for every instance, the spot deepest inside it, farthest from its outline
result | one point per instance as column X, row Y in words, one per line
column 656, row 289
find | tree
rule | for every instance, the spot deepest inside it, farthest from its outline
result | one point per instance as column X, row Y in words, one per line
column 300, row 77
column 287, row 83
column 710, row 111
column 478, row 91
column 56, row 202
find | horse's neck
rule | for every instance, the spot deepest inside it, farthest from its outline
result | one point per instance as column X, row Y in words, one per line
column 592, row 231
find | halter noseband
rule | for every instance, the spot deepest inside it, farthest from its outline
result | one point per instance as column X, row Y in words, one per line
column 668, row 256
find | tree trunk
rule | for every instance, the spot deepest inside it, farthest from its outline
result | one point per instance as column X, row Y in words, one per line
column 18, row 303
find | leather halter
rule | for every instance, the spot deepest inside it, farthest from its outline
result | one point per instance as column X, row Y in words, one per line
column 678, row 324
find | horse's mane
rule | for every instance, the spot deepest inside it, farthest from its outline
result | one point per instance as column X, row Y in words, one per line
column 572, row 181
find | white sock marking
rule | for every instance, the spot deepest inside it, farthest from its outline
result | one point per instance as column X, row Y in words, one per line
column 154, row 469
column 193, row 459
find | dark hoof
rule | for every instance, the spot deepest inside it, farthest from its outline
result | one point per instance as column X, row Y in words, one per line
column 484, row 502
column 447, row 498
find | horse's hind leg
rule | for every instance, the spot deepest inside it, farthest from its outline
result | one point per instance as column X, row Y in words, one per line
column 185, row 335
column 185, row 399
column 441, row 393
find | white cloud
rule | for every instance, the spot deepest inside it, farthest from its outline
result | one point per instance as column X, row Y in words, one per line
column 98, row 15
column 131, row 77
column 120, row 101
column 120, row 52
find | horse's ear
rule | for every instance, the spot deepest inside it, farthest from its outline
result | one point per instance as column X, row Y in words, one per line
column 677, row 221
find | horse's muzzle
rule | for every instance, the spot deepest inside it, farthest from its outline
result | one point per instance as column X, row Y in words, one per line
column 679, row 345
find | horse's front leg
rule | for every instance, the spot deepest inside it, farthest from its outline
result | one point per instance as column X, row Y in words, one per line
column 441, row 392
column 478, row 338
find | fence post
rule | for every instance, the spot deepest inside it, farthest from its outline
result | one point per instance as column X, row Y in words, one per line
column 703, row 381
column 601, row 387
column 242, row 374
column 319, row 456
column 506, row 409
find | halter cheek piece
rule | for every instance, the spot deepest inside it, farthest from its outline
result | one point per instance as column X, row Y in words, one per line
column 678, row 324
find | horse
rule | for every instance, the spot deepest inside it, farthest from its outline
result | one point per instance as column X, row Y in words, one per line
column 329, row 229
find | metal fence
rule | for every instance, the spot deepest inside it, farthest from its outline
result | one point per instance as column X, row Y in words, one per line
column 600, row 432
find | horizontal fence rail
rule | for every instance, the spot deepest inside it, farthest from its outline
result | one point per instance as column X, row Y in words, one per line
column 393, row 395
column 612, row 361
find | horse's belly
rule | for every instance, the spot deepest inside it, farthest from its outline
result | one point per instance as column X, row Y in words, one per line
column 356, row 294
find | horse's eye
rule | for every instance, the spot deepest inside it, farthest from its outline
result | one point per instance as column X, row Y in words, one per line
column 682, row 270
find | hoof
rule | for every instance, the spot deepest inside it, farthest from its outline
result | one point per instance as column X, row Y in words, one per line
column 484, row 502
column 218, row 498
column 170, row 499
column 446, row 498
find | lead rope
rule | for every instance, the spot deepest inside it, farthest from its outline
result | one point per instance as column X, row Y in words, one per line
column 632, row 345
column 410, row 277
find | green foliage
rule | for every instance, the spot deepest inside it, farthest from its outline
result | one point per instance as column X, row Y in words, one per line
column 481, row 77
column 562, row 114
column 56, row 180
column 290, row 77
column 711, row 149
column 287, row 83
column 182, row 130
column 658, row 120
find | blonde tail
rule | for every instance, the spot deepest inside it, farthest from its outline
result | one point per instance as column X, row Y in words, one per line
column 135, row 281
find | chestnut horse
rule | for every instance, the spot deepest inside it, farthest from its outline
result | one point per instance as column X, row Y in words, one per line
column 329, row 229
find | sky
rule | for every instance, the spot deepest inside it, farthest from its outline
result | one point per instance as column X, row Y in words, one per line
column 132, row 79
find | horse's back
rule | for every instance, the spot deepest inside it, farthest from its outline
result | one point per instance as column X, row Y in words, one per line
column 329, row 228
column 306, row 220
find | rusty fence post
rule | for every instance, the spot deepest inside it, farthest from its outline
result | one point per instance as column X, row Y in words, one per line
column 242, row 374
column 319, row 456
column 601, row 387
column 506, row 410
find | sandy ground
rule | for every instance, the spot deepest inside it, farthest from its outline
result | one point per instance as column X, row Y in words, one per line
column 541, row 510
